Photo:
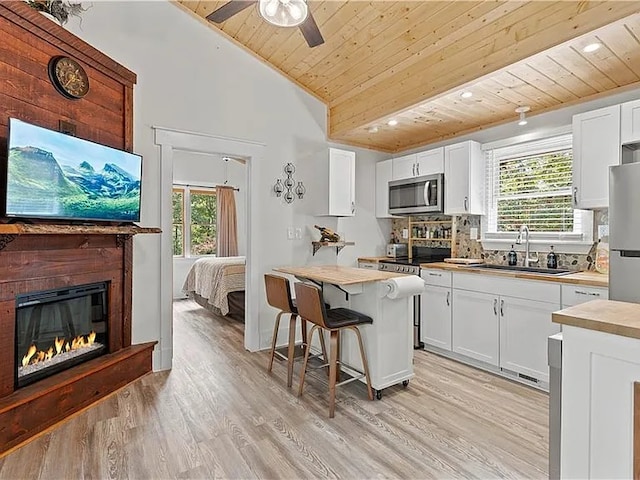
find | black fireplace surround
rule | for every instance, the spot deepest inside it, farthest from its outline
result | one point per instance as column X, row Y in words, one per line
column 57, row 329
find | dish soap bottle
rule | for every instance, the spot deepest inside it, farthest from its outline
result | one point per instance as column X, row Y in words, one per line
column 512, row 258
column 552, row 259
column 602, row 255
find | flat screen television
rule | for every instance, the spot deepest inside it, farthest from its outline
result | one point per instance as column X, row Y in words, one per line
column 51, row 175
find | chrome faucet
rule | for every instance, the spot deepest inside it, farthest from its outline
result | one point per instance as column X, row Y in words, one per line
column 527, row 260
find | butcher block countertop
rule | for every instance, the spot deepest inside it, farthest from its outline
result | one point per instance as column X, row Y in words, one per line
column 618, row 318
column 592, row 279
column 338, row 275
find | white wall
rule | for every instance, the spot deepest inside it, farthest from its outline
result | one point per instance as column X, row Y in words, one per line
column 191, row 78
column 208, row 171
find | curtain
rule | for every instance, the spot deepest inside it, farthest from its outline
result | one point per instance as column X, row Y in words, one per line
column 227, row 222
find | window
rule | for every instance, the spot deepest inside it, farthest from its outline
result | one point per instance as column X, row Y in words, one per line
column 194, row 221
column 178, row 222
column 531, row 184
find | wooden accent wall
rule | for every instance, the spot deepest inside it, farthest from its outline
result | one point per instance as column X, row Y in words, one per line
column 40, row 260
column 29, row 40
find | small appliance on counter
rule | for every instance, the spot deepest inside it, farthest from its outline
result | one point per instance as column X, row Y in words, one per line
column 397, row 250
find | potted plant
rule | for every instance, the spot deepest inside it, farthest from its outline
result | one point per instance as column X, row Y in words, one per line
column 58, row 9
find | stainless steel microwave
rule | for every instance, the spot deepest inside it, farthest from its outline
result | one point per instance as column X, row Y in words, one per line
column 417, row 195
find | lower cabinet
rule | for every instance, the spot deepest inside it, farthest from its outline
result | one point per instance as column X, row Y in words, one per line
column 475, row 325
column 525, row 326
column 435, row 322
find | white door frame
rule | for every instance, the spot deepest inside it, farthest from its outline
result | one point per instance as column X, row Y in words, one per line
column 170, row 140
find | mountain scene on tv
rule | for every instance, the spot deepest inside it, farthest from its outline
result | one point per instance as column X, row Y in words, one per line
column 39, row 184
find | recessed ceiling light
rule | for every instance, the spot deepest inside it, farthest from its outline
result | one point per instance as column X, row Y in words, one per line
column 466, row 94
column 592, row 47
column 373, row 129
column 392, row 122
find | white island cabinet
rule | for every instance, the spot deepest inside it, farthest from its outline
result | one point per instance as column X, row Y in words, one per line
column 600, row 390
column 388, row 341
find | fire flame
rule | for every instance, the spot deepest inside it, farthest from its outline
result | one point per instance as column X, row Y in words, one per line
column 34, row 355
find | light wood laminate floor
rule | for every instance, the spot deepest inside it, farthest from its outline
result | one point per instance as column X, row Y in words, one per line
column 218, row 414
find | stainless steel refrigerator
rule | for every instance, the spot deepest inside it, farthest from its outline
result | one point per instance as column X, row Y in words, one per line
column 624, row 233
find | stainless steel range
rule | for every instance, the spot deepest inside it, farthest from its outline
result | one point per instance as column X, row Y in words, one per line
column 403, row 265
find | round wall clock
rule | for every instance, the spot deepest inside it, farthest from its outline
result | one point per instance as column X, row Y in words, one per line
column 68, row 77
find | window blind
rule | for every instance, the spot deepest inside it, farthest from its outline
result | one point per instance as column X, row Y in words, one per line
column 531, row 183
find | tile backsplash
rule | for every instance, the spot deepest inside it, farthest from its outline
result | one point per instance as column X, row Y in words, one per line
column 464, row 247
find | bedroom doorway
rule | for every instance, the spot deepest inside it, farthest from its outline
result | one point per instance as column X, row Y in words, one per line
column 173, row 144
column 211, row 273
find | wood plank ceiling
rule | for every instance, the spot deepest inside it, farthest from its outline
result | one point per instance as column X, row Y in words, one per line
column 410, row 61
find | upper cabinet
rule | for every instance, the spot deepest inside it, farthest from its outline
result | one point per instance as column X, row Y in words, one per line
column 630, row 122
column 416, row 165
column 404, row 167
column 384, row 174
column 430, row 162
column 464, row 179
column 342, row 183
column 596, row 147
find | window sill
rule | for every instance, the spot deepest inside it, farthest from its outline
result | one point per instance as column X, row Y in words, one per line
column 538, row 245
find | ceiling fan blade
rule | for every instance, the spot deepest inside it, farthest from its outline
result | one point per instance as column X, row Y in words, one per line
column 311, row 32
column 228, row 10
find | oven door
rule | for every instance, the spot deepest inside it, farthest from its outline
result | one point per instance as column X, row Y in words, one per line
column 417, row 195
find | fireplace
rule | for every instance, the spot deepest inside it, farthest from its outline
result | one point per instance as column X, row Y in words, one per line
column 58, row 329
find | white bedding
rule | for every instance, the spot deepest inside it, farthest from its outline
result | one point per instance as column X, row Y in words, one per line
column 214, row 277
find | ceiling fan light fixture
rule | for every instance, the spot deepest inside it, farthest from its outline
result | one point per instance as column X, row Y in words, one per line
column 284, row 13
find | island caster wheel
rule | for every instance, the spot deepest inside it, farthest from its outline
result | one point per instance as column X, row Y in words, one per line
column 378, row 394
column 405, row 383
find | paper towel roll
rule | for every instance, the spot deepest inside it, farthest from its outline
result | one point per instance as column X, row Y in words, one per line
column 407, row 286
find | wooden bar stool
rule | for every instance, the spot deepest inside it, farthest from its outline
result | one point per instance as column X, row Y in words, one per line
column 311, row 308
column 279, row 296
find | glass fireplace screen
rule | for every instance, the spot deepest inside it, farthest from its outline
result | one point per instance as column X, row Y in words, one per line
column 57, row 329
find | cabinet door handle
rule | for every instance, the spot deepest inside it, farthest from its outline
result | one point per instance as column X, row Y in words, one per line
column 353, row 207
column 590, row 294
column 414, row 170
column 575, row 196
column 448, row 295
column 466, row 204
column 502, row 308
column 495, row 306
column 431, row 274
column 418, row 168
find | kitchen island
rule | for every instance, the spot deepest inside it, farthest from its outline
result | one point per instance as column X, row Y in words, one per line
column 388, row 341
column 600, row 427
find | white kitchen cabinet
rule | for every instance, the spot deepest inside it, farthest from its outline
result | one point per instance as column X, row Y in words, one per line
column 404, row 167
column 596, row 147
column 416, row 165
column 430, row 162
column 476, row 326
column 436, row 308
column 630, row 122
column 342, row 183
column 384, row 174
column 525, row 326
column 576, row 294
column 435, row 313
column 464, row 179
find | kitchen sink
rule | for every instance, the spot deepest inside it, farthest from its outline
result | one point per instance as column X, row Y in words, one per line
column 520, row 268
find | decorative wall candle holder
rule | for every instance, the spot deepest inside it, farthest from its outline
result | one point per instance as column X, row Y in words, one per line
column 287, row 185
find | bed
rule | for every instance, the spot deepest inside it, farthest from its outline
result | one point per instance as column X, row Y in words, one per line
column 218, row 283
